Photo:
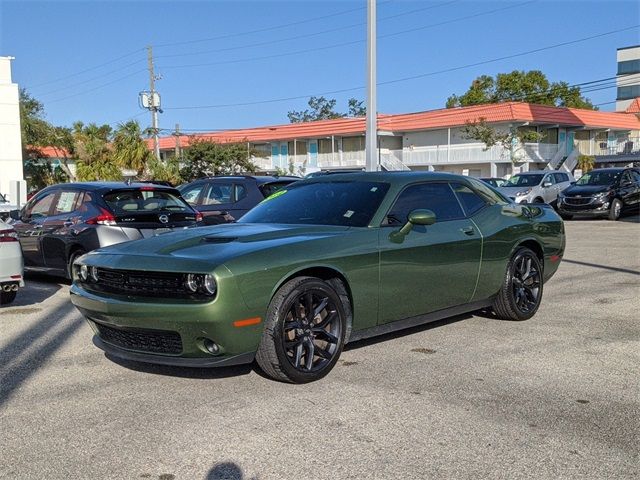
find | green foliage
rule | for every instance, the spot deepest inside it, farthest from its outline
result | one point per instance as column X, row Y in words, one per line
column 168, row 171
column 35, row 128
column 321, row 108
column 129, row 149
column 511, row 140
column 204, row 158
column 586, row 163
column 532, row 86
column 43, row 174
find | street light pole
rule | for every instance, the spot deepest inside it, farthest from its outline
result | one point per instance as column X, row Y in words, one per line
column 371, row 138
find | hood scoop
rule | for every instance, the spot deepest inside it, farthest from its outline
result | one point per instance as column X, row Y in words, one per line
column 219, row 239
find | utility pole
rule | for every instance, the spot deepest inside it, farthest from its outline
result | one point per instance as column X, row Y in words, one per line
column 371, row 138
column 177, row 135
column 153, row 107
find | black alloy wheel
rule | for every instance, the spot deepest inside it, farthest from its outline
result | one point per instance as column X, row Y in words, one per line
column 521, row 292
column 305, row 330
column 311, row 331
column 526, row 283
column 616, row 209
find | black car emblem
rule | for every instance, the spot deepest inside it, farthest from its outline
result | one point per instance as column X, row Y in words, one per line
column 163, row 219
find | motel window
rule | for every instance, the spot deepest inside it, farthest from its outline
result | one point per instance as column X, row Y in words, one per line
column 353, row 144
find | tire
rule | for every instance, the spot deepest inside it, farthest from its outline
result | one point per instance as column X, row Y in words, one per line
column 289, row 347
column 517, row 299
column 7, row 297
column 615, row 209
column 538, row 200
column 72, row 258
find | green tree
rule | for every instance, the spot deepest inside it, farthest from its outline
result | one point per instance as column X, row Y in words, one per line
column 511, row 140
column 532, row 86
column 93, row 152
column 40, row 175
column 204, row 157
column 586, row 163
column 321, row 108
column 129, row 149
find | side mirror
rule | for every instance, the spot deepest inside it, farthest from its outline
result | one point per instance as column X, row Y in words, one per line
column 547, row 184
column 416, row 217
column 15, row 214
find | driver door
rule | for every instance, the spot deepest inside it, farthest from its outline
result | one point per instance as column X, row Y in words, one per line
column 433, row 267
column 549, row 192
column 30, row 228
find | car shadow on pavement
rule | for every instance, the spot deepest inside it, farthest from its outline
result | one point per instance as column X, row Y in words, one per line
column 183, row 372
column 604, row 267
column 37, row 289
column 32, row 348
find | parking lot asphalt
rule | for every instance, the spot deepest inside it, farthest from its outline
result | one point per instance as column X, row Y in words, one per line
column 557, row 396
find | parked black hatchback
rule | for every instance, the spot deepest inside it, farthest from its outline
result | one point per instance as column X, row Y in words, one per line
column 67, row 220
column 603, row 192
column 226, row 199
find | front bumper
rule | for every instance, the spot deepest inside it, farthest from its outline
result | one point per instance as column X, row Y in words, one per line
column 591, row 207
column 193, row 322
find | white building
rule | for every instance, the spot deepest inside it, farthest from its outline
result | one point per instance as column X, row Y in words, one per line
column 10, row 139
column 628, row 80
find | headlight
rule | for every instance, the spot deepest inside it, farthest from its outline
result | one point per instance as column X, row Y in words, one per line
column 191, row 283
column 602, row 195
column 83, row 272
column 93, row 273
column 209, row 285
column 521, row 193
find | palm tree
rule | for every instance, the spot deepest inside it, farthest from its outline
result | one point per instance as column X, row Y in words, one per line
column 129, row 149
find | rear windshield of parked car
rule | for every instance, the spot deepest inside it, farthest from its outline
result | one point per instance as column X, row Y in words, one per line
column 524, row 181
column 599, row 178
column 349, row 204
column 269, row 189
column 123, row 202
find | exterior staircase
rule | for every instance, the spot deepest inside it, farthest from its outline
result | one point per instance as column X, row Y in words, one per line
column 391, row 163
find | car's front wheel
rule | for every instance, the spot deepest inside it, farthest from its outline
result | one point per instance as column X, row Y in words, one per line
column 616, row 209
column 304, row 331
column 521, row 291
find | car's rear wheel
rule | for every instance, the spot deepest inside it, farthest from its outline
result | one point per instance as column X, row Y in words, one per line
column 615, row 209
column 72, row 258
column 304, row 331
column 7, row 297
column 521, row 291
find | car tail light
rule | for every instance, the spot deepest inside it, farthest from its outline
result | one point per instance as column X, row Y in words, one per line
column 198, row 216
column 105, row 218
column 8, row 236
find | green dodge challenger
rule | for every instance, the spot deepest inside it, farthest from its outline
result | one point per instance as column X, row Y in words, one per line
column 327, row 261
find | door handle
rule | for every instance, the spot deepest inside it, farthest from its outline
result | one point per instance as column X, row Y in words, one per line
column 468, row 231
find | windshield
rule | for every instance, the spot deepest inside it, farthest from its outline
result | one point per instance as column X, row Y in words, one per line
column 125, row 202
column 599, row 178
column 524, row 181
column 346, row 203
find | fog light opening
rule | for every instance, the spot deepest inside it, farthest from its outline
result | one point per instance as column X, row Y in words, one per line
column 211, row 346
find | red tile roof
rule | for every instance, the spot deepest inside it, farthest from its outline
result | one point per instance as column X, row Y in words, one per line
column 432, row 119
column 51, row 152
column 634, row 107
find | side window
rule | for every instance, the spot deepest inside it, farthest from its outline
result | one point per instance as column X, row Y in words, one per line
column 191, row 194
column 636, row 176
column 240, row 193
column 490, row 195
column 561, row 177
column 218, row 193
column 626, row 178
column 469, row 199
column 548, row 178
column 42, row 206
column 437, row 197
column 86, row 207
column 66, row 202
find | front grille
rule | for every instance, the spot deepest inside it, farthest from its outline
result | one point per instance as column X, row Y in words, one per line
column 154, row 341
column 577, row 200
column 144, row 284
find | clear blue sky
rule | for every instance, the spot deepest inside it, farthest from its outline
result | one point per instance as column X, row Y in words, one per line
column 53, row 40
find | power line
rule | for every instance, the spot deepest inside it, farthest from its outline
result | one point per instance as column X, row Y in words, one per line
column 413, row 77
column 87, row 69
column 353, row 42
column 314, row 34
column 98, row 87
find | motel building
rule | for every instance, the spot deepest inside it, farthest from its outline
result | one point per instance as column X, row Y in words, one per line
column 434, row 140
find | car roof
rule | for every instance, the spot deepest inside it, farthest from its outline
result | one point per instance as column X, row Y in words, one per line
column 106, row 186
column 258, row 178
column 395, row 177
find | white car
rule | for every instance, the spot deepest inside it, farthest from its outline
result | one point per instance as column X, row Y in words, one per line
column 11, row 264
column 5, row 207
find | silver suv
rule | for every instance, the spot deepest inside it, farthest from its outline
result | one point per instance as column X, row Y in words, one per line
column 537, row 187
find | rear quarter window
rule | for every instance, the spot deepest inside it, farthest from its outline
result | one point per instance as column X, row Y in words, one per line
column 268, row 189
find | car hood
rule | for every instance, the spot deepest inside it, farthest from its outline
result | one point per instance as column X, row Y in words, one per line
column 585, row 190
column 202, row 249
column 512, row 190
